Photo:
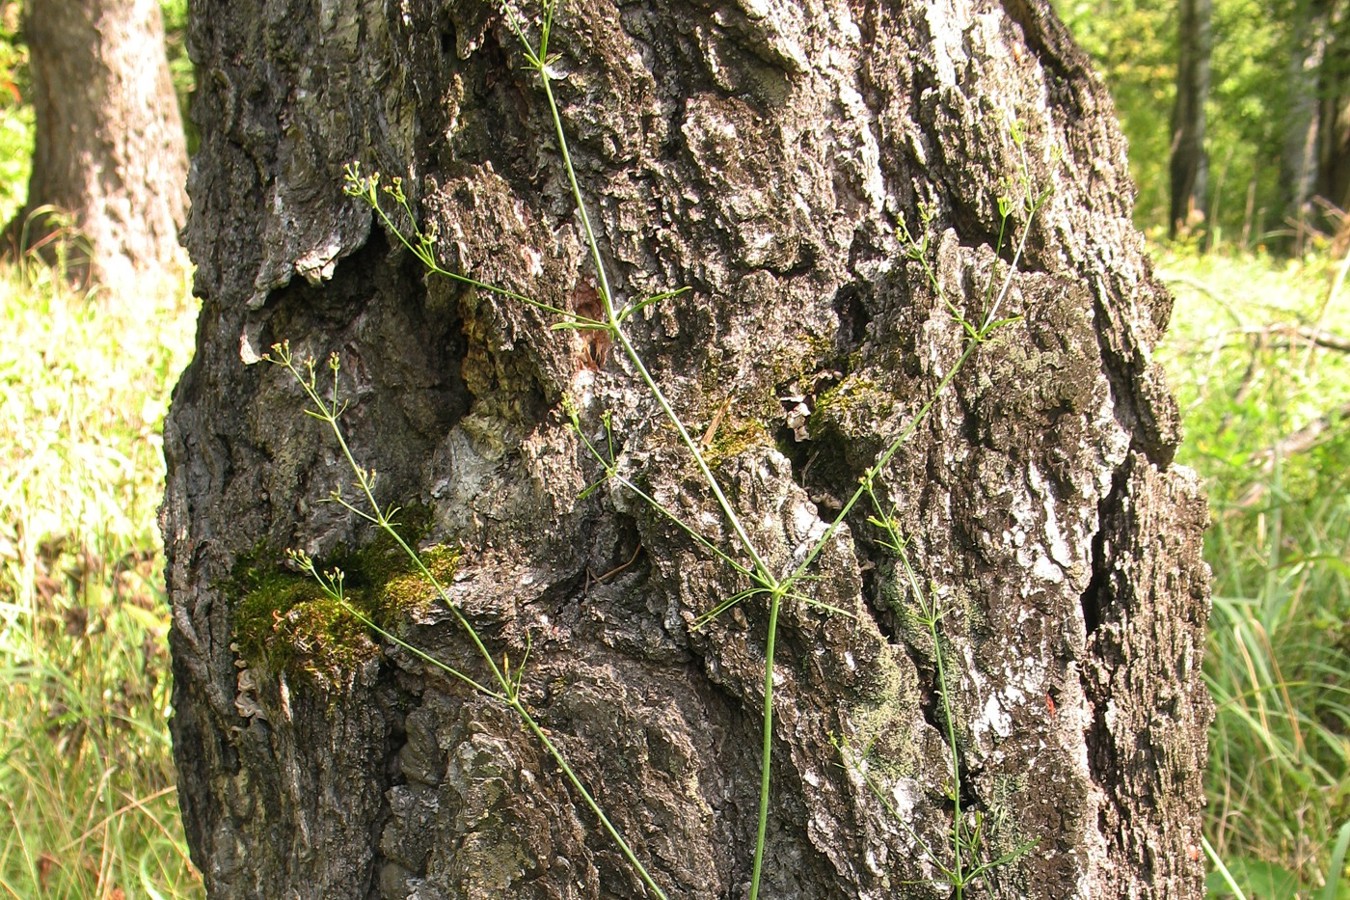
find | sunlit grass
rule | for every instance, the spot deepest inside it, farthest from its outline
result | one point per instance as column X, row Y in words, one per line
column 87, row 802
column 1253, row 382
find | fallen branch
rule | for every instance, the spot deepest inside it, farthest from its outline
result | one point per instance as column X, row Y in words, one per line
column 1300, row 441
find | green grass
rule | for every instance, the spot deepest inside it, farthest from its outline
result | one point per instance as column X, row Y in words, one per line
column 16, row 116
column 87, row 802
column 1278, row 661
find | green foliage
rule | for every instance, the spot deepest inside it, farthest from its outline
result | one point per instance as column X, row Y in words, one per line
column 1250, row 96
column 1251, row 383
column 1134, row 45
column 89, row 808
column 16, row 116
column 17, row 120
column 175, row 14
column 87, row 803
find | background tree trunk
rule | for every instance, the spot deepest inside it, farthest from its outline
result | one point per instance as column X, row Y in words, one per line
column 1189, row 161
column 1310, row 39
column 1333, row 156
column 764, row 154
column 109, row 147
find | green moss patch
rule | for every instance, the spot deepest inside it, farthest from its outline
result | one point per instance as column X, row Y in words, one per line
column 733, row 438
column 284, row 620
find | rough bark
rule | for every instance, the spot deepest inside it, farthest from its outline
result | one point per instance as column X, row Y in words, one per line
column 109, row 148
column 763, row 154
column 1190, row 162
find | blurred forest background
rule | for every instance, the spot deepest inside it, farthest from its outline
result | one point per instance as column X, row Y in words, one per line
column 1238, row 117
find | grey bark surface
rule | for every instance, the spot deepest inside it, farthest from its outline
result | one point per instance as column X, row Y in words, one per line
column 109, row 147
column 764, row 154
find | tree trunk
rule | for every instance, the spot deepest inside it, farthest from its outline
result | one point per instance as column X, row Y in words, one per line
column 1299, row 157
column 1333, row 156
column 1190, row 162
column 109, row 149
column 768, row 156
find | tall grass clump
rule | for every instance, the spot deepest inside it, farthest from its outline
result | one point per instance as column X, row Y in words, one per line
column 1260, row 356
column 87, row 803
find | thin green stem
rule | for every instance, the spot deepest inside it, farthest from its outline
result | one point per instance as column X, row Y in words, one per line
column 748, row 545
column 989, row 319
column 509, row 695
column 766, row 750
column 966, row 867
column 331, row 585
column 329, row 414
column 591, row 243
column 882, row 461
column 616, row 329
column 931, row 617
column 580, row 788
column 680, row 523
column 958, row 838
column 881, row 796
